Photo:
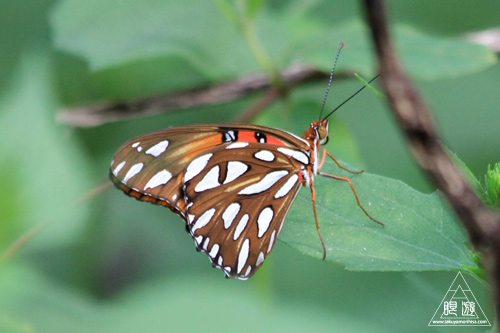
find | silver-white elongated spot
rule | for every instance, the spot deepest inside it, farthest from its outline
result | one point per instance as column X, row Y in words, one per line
column 214, row 251
column 198, row 240
column 203, row 220
column 196, row 166
column 295, row 154
column 134, row 170
column 211, row 180
column 271, row 242
column 118, row 168
column 205, row 244
column 243, row 255
column 249, row 269
column 158, row 148
column 285, row 189
column 264, row 155
column 234, row 170
column 265, row 183
column 237, row 145
column 260, row 259
column 220, row 261
column 241, row 226
column 230, row 213
column 161, row 178
column 264, row 220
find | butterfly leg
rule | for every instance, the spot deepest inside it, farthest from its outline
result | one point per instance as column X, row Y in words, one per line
column 353, row 190
column 326, row 152
column 313, row 194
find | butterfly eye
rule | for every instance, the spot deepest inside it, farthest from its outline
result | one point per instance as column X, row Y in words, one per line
column 322, row 132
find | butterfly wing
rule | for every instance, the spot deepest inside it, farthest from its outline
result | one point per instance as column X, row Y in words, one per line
column 238, row 196
column 232, row 184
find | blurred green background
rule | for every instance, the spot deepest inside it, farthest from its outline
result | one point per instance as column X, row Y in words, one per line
column 112, row 264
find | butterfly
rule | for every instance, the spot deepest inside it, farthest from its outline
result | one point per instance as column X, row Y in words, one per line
column 233, row 184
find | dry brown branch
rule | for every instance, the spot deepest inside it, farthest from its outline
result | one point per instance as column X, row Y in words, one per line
column 101, row 113
column 417, row 123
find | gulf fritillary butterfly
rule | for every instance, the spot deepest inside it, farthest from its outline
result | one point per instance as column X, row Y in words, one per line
column 232, row 184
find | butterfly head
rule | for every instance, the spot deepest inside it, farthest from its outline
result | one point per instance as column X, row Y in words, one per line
column 322, row 132
column 318, row 132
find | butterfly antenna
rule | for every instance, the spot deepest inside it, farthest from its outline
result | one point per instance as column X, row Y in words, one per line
column 347, row 100
column 330, row 81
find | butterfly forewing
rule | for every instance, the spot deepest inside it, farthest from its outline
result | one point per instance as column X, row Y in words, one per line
column 150, row 167
column 237, row 203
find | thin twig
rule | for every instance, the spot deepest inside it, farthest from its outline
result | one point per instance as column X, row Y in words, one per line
column 98, row 114
column 417, row 123
column 247, row 115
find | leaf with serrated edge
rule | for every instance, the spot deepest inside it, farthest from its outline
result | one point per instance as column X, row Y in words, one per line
column 419, row 234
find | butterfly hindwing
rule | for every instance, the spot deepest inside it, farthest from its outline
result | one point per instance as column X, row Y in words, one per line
column 238, row 200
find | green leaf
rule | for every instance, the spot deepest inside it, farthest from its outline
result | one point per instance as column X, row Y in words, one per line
column 369, row 86
column 114, row 32
column 205, row 34
column 419, row 234
column 425, row 56
column 492, row 185
column 430, row 57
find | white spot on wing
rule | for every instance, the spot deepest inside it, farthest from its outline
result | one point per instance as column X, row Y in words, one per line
column 161, row 178
column 249, row 269
column 158, row 148
column 234, row 170
column 271, row 242
column 295, row 154
column 237, row 145
column 220, row 261
column 118, row 168
column 198, row 240
column 264, row 220
column 264, row 155
column 135, row 144
column 265, row 183
column 285, row 189
column 211, row 180
column 205, row 243
column 260, row 259
column 203, row 220
column 214, row 251
column 241, row 226
column 196, row 166
column 134, row 170
column 230, row 213
column 243, row 256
